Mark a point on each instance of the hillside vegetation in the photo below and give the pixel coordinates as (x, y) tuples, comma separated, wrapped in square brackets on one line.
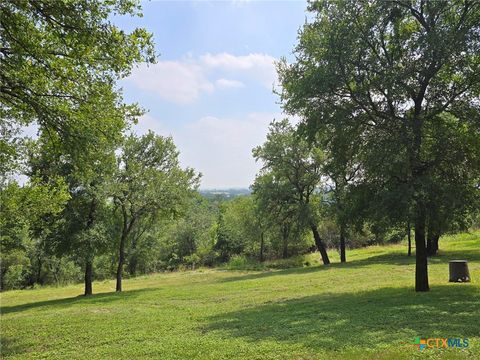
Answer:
[(366, 308)]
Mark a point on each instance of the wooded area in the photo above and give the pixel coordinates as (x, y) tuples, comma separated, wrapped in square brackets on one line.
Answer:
[(387, 144)]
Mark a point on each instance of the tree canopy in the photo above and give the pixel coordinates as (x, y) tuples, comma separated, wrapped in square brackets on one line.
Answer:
[(290, 179), (59, 65), (149, 183), (392, 73)]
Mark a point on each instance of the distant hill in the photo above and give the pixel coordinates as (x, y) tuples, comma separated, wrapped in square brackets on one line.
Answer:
[(224, 193)]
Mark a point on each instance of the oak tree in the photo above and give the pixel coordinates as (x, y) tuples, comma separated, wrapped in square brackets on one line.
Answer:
[(390, 71)]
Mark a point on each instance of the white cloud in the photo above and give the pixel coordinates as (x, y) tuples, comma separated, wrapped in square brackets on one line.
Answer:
[(229, 61), (182, 82), (228, 84), (259, 66), (219, 148), (177, 82)]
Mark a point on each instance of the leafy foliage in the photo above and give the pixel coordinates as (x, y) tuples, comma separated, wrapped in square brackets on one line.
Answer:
[(149, 183), (59, 64), (383, 80), (289, 186)]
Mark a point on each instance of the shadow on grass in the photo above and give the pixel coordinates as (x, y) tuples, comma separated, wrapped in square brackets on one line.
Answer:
[(368, 319), (397, 258), (393, 258), (446, 256), (254, 274), (10, 346), (102, 298)]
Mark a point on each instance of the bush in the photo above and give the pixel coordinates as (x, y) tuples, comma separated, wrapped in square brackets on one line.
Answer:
[(237, 262), (15, 269), (15, 277), (70, 273), (241, 262), (293, 262), (192, 261), (174, 262), (104, 267), (208, 256)]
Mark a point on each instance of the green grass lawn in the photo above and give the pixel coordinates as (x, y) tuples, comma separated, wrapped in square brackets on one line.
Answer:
[(365, 308)]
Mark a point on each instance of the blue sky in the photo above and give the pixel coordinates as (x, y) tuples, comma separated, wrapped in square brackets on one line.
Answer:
[(212, 86)]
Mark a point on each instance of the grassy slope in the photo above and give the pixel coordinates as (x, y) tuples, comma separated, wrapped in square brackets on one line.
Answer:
[(363, 309)]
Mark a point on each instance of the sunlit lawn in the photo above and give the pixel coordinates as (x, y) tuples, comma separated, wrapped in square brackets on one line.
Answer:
[(363, 309)]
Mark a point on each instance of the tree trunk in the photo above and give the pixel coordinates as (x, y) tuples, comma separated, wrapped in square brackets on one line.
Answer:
[(343, 256), (409, 237), (319, 244), (417, 172), (262, 245), (421, 270), (88, 277), (121, 260), (39, 279), (132, 263), (285, 241), (432, 241), (89, 263), (126, 228)]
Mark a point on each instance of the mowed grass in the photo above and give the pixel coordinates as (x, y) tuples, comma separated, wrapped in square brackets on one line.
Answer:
[(363, 309)]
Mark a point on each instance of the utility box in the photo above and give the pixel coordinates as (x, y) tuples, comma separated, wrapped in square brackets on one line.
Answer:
[(458, 271)]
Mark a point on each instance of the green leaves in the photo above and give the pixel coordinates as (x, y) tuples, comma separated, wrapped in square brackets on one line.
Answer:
[(26, 210), (376, 82), (290, 176), (60, 62), (149, 181)]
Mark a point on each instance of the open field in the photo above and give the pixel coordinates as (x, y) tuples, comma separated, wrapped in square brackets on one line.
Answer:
[(363, 309)]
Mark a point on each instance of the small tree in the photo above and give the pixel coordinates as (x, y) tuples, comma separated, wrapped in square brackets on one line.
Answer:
[(290, 178), (81, 231), (149, 182), (238, 229)]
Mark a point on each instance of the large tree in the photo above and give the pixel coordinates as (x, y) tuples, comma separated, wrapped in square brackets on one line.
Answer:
[(59, 61), (81, 234), (293, 170), (149, 183), (390, 71)]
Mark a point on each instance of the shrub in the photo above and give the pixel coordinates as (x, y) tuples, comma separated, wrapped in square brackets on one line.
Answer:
[(293, 262), (241, 262), (15, 277), (192, 261)]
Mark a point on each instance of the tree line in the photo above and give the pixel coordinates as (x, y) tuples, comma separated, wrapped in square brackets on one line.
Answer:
[(387, 143), (390, 90)]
